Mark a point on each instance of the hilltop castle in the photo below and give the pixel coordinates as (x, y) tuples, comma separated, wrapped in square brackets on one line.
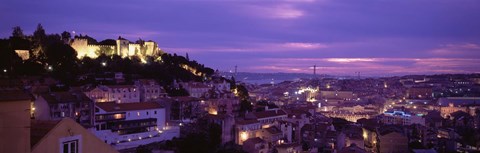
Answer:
[(121, 47)]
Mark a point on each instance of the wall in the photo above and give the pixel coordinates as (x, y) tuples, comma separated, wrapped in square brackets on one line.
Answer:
[(68, 128), (14, 123)]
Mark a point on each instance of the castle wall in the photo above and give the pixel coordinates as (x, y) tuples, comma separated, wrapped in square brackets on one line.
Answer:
[(123, 48)]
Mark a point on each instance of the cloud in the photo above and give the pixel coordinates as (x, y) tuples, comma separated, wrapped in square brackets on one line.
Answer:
[(276, 11), (369, 66), (258, 47), (456, 49), (305, 45)]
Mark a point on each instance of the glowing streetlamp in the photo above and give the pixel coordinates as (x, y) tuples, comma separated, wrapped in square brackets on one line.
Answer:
[(104, 64)]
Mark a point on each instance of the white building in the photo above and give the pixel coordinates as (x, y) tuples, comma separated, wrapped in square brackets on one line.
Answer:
[(401, 118), (127, 125), (196, 89), (117, 93)]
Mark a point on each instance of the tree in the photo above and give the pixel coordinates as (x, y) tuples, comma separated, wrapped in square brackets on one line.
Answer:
[(17, 32), (106, 50), (38, 45), (66, 36), (62, 58), (39, 33)]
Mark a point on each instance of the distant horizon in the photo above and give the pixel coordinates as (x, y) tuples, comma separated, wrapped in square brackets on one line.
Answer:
[(363, 76), (341, 37)]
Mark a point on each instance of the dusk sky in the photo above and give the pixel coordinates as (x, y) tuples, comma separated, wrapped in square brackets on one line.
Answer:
[(374, 37)]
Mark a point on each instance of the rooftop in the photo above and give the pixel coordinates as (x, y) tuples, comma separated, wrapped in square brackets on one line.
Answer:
[(114, 107)]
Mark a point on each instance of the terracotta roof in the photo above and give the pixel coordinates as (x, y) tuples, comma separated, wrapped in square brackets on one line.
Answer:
[(65, 97), (273, 130), (114, 107), (245, 122)]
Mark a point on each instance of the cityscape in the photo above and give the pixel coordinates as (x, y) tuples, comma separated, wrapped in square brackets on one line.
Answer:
[(254, 76)]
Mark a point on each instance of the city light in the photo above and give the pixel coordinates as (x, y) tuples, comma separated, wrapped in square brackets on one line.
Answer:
[(243, 136)]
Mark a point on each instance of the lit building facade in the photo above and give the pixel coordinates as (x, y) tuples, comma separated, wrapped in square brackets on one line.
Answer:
[(130, 124)]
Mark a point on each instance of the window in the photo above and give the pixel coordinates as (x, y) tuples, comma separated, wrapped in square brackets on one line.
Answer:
[(154, 112), (147, 112), (70, 146)]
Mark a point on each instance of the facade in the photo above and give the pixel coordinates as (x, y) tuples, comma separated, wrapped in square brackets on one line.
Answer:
[(345, 95), (65, 136), (23, 54), (123, 48), (289, 148), (246, 129), (59, 105), (267, 118), (126, 125), (150, 90), (223, 106), (14, 119), (419, 92), (196, 89), (255, 145), (117, 93), (401, 118), (393, 142)]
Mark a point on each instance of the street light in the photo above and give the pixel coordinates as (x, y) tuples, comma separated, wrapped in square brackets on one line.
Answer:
[(5, 70), (104, 64)]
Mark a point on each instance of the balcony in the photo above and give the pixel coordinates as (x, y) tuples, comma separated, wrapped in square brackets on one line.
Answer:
[(110, 117)]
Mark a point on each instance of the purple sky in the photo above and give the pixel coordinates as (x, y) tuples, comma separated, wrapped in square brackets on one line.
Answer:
[(374, 37)]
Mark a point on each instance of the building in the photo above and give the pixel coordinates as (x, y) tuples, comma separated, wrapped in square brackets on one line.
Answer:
[(255, 145), (185, 108), (15, 111), (150, 90), (65, 136), (267, 118), (58, 105), (449, 105), (226, 123), (419, 92), (385, 139), (223, 106), (353, 148), (246, 129), (289, 148), (196, 89), (126, 125), (117, 93), (401, 118), (122, 47), (272, 135), (392, 141), (344, 95), (23, 54)]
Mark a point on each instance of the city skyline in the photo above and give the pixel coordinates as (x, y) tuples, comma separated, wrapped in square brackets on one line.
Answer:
[(340, 37)]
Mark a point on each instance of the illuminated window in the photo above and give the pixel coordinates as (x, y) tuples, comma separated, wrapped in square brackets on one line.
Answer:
[(117, 116), (138, 113)]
